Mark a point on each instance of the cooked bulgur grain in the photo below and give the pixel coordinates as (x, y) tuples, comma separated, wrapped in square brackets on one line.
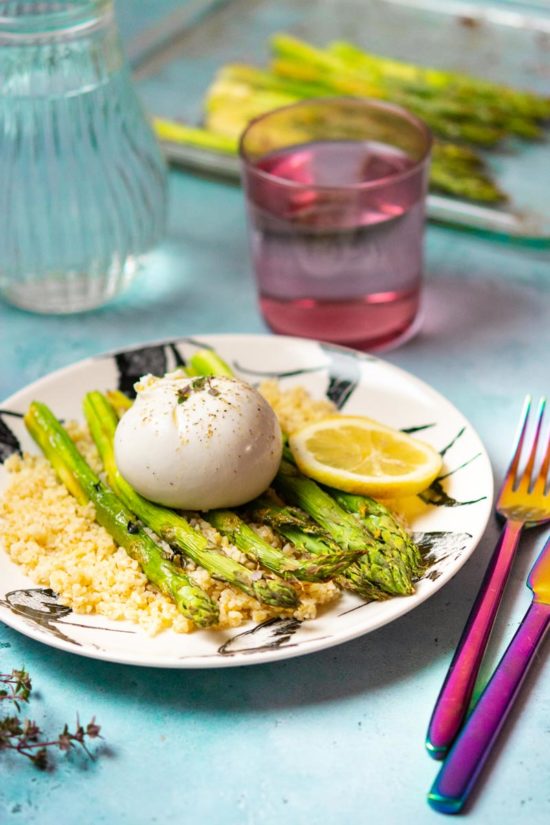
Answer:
[(294, 407)]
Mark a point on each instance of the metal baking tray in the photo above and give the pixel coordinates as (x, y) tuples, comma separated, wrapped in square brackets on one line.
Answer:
[(175, 60)]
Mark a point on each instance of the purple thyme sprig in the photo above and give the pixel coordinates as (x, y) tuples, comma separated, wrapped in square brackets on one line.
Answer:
[(25, 737)]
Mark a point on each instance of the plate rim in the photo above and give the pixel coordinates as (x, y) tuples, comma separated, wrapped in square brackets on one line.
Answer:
[(283, 652)]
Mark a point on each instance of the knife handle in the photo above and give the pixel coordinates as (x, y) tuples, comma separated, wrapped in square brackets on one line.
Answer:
[(453, 700), (460, 770)]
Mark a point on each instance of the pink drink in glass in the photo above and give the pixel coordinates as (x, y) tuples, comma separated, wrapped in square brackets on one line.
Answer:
[(336, 233)]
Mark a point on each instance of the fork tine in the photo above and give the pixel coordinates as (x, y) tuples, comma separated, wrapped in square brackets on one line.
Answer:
[(526, 479), (542, 478), (511, 472)]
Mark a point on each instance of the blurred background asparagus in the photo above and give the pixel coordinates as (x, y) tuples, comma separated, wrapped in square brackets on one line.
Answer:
[(465, 114)]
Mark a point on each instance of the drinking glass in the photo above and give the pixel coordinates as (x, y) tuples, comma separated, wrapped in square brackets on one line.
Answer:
[(82, 182), (335, 192)]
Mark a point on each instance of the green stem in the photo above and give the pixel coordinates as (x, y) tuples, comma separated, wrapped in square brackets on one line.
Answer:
[(208, 362)]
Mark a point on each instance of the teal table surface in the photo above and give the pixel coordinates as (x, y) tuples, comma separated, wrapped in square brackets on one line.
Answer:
[(338, 736)]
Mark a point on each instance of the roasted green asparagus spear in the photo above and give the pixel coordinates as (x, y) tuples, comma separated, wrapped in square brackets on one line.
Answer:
[(173, 528), (117, 519), (302, 492), (296, 59), (119, 401), (208, 362), (297, 527), (429, 82), (380, 522), (288, 566), (475, 111), (175, 132), (378, 564), (294, 524)]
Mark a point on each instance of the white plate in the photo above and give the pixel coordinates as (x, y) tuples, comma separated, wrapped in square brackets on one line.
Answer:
[(453, 523)]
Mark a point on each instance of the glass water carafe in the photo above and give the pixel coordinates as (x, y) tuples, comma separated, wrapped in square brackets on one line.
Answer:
[(82, 181)]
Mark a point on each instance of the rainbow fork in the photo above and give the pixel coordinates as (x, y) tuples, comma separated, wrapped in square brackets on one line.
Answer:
[(473, 744)]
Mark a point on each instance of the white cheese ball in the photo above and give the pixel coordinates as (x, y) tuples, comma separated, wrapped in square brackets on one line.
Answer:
[(198, 443)]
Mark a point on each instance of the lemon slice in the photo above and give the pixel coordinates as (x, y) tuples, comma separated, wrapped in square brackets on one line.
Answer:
[(359, 455)]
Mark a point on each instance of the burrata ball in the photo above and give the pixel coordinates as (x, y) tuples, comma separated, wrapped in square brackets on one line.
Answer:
[(198, 443)]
